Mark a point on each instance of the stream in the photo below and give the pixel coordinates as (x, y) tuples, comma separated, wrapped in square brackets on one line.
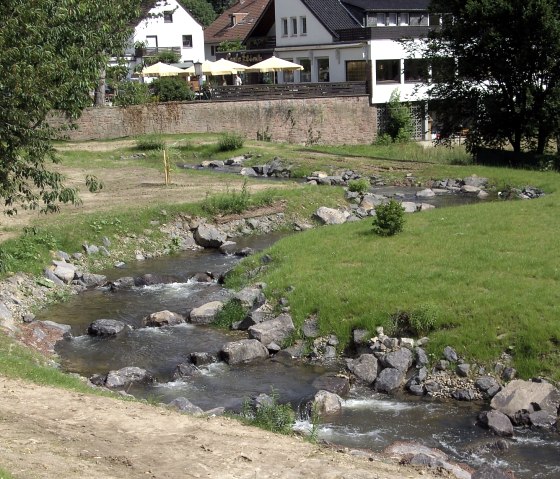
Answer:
[(368, 420)]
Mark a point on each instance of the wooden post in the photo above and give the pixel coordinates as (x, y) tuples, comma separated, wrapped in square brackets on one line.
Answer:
[(166, 167)]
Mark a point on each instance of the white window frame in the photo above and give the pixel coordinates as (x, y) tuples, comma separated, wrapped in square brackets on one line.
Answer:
[(284, 23), (303, 25), (391, 19), (294, 25), (404, 19)]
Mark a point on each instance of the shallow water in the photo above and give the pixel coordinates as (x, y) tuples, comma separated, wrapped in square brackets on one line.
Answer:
[(368, 420)]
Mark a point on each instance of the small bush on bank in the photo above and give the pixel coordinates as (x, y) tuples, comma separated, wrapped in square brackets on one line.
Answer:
[(149, 143), (232, 312), (230, 202), (416, 323), (230, 142), (389, 219), (270, 415), (172, 89), (359, 186)]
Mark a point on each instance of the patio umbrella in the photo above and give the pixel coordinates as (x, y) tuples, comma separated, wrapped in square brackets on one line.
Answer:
[(220, 67), (206, 68), (274, 64), (160, 69)]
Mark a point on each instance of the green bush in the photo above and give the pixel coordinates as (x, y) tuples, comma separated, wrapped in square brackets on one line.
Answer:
[(149, 143), (230, 142), (416, 323), (359, 186), (270, 416), (230, 202), (383, 140), (131, 93), (172, 89), (232, 312), (389, 219)]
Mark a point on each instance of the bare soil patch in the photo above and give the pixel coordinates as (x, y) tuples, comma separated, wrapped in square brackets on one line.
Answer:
[(51, 433)]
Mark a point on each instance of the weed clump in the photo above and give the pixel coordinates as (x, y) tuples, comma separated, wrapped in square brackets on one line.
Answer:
[(150, 143), (389, 219), (230, 142), (270, 415), (361, 185), (230, 202), (416, 323), (232, 312)]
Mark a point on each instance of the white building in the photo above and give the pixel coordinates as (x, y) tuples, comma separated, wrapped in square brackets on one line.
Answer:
[(168, 27)]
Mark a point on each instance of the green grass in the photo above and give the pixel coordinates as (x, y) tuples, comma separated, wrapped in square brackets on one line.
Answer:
[(490, 270), (5, 474)]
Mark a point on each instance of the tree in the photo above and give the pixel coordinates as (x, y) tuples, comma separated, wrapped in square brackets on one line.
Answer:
[(399, 121), (172, 89), (201, 10), (505, 83), (51, 53)]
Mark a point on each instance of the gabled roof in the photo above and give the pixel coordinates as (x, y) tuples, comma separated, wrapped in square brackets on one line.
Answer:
[(390, 5), (332, 14), (247, 12)]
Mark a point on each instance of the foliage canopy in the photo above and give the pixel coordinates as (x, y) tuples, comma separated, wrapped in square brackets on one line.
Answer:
[(505, 82), (51, 53)]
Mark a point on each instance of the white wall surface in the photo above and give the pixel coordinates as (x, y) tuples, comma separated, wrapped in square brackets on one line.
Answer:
[(316, 32), (171, 34)]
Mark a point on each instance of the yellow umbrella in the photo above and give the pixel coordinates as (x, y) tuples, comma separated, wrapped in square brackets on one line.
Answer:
[(160, 69), (206, 68), (220, 67), (274, 64)]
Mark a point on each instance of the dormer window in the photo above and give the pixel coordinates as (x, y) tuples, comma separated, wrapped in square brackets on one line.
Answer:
[(236, 18), (168, 17)]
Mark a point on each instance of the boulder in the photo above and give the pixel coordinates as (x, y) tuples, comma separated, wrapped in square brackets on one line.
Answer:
[(542, 419), (450, 354), (464, 395), (409, 206), (105, 327), (209, 236), (463, 370), (202, 359), (228, 247), (125, 376), (276, 330), (491, 472), (421, 357), (248, 171), (250, 297), (184, 405), (6, 318), (243, 351), (470, 189), (474, 180), (530, 396), (206, 313), (65, 271), (185, 370), (364, 368), (202, 277), (488, 386), (330, 216), (120, 283), (326, 403), (427, 193), (163, 318), (497, 422), (333, 383), (400, 359), (150, 279), (311, 327), (91, 279), (263, 313), (49, 274), (389, 380)]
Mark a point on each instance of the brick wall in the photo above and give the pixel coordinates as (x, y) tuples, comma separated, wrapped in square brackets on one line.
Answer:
[(341, 120)]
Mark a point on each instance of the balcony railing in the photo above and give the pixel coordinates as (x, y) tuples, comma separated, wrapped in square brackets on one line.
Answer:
[(383, 33), (153, 51)]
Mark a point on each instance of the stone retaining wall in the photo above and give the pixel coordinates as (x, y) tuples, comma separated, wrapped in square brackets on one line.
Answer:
[(341, 120)]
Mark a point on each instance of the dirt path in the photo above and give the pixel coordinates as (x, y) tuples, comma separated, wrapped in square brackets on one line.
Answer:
[(50, 433)]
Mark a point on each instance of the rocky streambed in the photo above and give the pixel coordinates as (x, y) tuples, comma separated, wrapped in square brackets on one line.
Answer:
[(143, 329)]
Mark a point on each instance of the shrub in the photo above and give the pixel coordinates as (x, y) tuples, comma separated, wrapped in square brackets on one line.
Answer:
[(131, 93), (359, 186), (232, 312), (230, 202), (418, 322), (389, 219), (152, 142), (270, 415), (230, 142), (383, 140), (172, 89)]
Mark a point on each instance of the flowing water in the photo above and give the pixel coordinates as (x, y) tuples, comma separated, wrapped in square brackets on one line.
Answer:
[(368, 420)]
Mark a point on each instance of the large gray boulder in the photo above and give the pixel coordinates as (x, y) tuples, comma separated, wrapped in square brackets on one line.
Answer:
[(64, 271), (209, 236), (126, 376), (333, 383), (426, 193), (6, 318), (91, 279), (488, 386), (206, 313), (497, 422), (243, 351), (263, 313), (163, 318), (184, 405), (364, 368), (389, 380), (326, 403), (527, 396), (330, 216), (105, 327), (250, 297), (401, 359), (276, 330)]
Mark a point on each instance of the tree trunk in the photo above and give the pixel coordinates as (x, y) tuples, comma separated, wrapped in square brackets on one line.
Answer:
[(99, 99)]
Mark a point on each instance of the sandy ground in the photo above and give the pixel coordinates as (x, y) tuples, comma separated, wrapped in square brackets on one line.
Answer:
[(51, 433)]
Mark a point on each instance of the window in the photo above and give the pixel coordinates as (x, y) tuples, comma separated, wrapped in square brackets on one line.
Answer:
[(213, 50), (403, 19), (415, 70), (371, 20), (388, 71), (151, 41), (391, 19), (435, 20), (380, 19), (294, 26), (289, 74), (187, 41), (284, 27), (356, 70), (168, 17), (305, 74), (419, 19), (323, 69), (303, 24)]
